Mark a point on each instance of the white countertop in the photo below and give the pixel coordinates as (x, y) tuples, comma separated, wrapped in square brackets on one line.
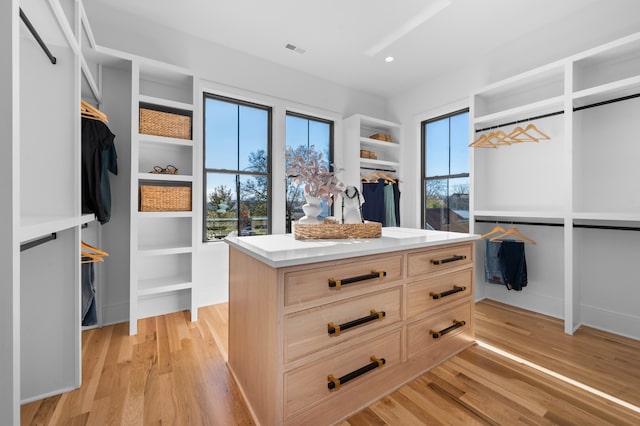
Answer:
[(284, 250)]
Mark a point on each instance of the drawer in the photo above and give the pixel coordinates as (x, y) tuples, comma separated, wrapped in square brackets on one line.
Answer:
[(309, 384), (368, 272), (439, 331), (428, 261), (438, 291), (308, 331)]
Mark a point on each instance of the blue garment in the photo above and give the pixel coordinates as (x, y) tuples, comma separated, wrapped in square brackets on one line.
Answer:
[(373, 207), (513, 264), (492, 269), (396, 199), (88, 313)]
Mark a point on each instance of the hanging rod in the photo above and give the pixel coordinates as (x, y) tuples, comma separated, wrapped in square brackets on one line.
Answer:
[(511, 222), (537, 117), (551, 114), (37, 37), (610, 227), (597, 104), (378, 170), (31, 244)]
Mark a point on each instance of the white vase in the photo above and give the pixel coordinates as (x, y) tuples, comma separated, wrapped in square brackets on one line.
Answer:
[(311, 210)]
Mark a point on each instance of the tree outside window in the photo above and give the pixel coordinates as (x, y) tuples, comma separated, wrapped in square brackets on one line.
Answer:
[(237, 168), (446, 172)]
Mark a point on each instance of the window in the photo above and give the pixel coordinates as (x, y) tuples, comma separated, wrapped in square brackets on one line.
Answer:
[(237, 168), (445, 189), (310, 132)]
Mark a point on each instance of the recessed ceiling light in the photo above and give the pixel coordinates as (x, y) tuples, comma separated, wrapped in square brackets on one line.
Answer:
[(388, 59)]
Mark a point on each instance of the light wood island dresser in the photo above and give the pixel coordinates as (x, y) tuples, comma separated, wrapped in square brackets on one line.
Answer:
[(319, 329)]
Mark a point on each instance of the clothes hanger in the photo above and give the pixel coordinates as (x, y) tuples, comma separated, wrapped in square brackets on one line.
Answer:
[(521, 135), (482, 142), (387, 178), (95, 250), (532, 127), (90, 257), (496, 228), (501, 138), (89, 111), (516, 234)]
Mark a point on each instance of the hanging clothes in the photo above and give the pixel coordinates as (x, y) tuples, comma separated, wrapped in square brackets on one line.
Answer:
[(88, 313), (492, 268), (381, 202), (389, 206), (373, 207), (513, 264), (98, 159), (396, 199)]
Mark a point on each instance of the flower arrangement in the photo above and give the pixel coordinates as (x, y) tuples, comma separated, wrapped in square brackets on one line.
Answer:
[(307, 167)]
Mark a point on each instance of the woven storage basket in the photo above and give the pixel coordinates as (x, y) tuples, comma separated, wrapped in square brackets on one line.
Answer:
[(334, 230), (157, 198), (382, 137), (160, 123)]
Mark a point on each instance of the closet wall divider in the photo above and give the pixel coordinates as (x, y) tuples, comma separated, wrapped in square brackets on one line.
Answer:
[(40, 162), (584, 179)]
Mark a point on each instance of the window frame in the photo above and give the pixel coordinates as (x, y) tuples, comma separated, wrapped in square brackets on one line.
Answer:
[(205, 170), (424, 179), (309, 117)]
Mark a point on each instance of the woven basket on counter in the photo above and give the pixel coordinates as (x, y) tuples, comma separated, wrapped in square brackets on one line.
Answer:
[(334, 230), (161, 123), (162, 198)]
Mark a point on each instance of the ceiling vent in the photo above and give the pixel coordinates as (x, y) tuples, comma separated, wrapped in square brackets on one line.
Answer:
[(294, 48)]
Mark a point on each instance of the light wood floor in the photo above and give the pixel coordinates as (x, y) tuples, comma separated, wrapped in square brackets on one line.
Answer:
[(173, 373)]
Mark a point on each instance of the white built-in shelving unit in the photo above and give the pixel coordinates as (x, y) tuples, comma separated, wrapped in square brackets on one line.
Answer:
[(577, 194), (42, 228), (162, 243), (357, 131)]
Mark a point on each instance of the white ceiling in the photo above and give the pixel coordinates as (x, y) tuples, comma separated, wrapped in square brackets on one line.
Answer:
[(346, 41)]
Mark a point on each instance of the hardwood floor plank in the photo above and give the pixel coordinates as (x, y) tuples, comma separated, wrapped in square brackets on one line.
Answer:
[(601, 360), (174, 373)]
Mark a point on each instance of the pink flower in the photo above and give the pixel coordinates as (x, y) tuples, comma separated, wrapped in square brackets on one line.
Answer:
[(307, 167)]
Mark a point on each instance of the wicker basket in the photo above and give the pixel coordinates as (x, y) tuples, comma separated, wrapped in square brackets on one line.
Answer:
[(158, 198), (334, 230), (160, 123), (382, 137)]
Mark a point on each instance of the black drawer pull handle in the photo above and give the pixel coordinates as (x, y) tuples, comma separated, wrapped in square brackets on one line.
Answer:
[(335, 383), (456, 289), (333, 328), (453, 258), (438, 334), (374, 274)]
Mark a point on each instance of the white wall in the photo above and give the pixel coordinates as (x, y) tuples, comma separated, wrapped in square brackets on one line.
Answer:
[(223, 71), (9, 214), (451, 91)]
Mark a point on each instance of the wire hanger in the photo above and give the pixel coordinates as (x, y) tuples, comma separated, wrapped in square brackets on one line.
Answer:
[(516, 234), (89, 111)]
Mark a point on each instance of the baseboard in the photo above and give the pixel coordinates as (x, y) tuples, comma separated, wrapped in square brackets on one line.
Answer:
[(47, 395), (166, 303), (524, 299), (609, 321)]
